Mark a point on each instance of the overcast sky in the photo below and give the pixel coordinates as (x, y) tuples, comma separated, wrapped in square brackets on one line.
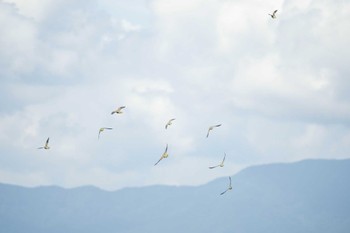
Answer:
[(279, 87)]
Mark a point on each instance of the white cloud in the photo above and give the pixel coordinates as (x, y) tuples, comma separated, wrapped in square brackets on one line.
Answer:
[(278, 87), (129, 27), (35, 9), (18, 43)]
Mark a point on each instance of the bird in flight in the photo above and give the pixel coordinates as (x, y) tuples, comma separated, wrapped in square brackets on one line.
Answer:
[(211, 128), (46, 147), (101, 130), (164, 155), (118, 110), (273, 14), (221, 164), (229, 187), (169, 123)]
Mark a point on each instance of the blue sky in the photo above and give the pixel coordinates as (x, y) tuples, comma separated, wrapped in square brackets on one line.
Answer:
[(278, 87)]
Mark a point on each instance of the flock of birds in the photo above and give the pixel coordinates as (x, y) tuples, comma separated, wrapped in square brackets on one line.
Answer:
[(165, 153)]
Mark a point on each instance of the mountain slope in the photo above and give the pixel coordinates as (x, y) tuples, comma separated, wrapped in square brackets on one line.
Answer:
[(308, 196)]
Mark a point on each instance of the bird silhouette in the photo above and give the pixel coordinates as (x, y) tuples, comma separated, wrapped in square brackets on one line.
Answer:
[(211, 128), (164, 155), (46, 147), (101, 130), (229, 187), (169, 123), (118, 110), (273, 15), (221, 164)]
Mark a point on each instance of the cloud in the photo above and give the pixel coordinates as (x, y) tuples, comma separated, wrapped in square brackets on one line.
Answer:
[(278, 87), (18, 43)]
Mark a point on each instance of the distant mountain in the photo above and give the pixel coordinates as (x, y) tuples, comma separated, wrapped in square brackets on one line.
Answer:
[(311, 196)]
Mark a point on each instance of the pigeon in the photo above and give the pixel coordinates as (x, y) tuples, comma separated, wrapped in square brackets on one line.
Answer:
[(221, 164), (273, 14), (101, 130), (46, 147), (118, 110), (211, 128), (164, 155), (169, 123), (229, 187)]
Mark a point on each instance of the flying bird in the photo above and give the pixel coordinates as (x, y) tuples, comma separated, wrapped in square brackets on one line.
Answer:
[(118, 110), (273, 14), (229, 187), (169, 123), (46, 147), (211, 128), (221, 164), (101, 130), (164, 155)]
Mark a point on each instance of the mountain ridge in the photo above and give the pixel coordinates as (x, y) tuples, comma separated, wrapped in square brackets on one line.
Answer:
[(305, 196)]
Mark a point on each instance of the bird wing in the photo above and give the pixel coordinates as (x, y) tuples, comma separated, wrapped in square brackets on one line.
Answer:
[(120, 108), (99, 132), (223, 160), (166, 149), (113, 112), (230, 180), (47, 142), (41, 147), (275, 12), (169, 123), (208, 132), (158, 161), (217, 125), (223, 192), (213, 167), (108, 128)]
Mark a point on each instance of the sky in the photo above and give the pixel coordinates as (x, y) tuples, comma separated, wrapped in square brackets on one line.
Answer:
[(279, 87)]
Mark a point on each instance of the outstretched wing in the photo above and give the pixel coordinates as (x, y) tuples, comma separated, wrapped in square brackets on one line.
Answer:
[(223, 160), (166, 149), (275, 12), (122, 107), (47, 142), (208, 132), (224, 192), (213, 167), (158, 161)]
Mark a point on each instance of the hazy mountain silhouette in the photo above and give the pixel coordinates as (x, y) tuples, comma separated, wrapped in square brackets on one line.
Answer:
[(311, 196)]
